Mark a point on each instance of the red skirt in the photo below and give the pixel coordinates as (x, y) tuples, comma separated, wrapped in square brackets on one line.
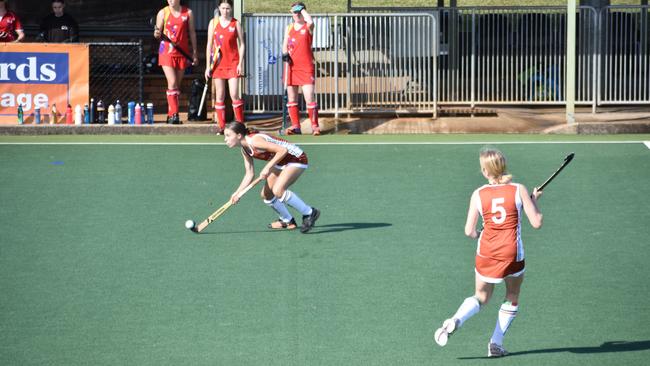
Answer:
[(177, 62), (301, 77), (494, 271), (226, 74)]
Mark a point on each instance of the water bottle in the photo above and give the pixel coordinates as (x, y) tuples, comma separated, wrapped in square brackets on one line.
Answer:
[(92, 110), (111, 115), (138, 114), (77, 115), (68, 115), (20, 114), (37, 116), (53, 115), (150, 113), (131, 113), (118, 112), (86, 114), (101, 112)]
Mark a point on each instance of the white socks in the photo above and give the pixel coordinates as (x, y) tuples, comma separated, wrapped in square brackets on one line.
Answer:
[(294, 201), (467, 309), (507, 314), (280, 208)]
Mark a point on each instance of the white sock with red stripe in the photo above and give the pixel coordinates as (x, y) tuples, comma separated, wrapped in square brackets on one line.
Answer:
[(467, 309), (280, 208), (507, 314), (294, 201)]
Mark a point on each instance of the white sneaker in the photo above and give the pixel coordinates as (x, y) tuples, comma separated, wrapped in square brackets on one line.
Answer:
[(496, 350), (442, 334)]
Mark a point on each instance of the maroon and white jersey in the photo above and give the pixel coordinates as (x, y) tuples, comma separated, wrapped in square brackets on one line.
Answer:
[(294, 153)]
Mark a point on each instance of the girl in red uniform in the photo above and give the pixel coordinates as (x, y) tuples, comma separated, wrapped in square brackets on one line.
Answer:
[(500, 252), (225, 61), (285, 163), (177, 23), (11, 30), (296, 50)]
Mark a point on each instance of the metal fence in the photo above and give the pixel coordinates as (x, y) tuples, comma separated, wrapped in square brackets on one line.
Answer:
[(625, 60), (513, 55), (517, 55), (364, 62), (410, 61), (116, 71)]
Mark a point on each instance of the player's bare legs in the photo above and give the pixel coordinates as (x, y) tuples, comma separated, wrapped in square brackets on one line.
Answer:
[(237, 103), (312, 107)]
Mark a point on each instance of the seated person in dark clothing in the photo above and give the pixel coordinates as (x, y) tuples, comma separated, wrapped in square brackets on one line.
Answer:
[(59, 27)]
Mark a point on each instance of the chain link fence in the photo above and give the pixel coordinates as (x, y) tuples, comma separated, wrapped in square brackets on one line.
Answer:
[(116, 72)]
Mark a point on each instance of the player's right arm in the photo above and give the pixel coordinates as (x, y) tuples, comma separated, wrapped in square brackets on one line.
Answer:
[(535, 217), (472, 216), (160, 18), (285, 43), (208, 49), (249, 175)]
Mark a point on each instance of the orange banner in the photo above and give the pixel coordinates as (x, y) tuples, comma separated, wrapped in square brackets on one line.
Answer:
[(39, 76)]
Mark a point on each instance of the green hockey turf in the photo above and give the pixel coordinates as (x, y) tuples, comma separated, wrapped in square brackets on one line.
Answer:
[(96, 267)]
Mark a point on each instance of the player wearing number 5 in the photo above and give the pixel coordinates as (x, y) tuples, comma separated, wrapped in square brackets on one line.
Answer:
[(500, 252), (224, 62), (297, 52), (175, 25)]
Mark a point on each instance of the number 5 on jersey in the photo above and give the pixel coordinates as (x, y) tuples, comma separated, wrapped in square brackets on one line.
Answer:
[(497, 208)]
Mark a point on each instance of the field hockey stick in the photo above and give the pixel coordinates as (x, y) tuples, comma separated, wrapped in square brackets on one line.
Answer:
[(566, 162), (285, 97), (207, 81), (215, 215), (166, 39)]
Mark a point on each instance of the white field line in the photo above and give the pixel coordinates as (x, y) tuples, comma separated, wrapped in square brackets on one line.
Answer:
[(647, 143)]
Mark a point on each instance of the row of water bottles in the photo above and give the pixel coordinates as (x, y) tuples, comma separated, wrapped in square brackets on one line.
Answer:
[(136, 114)]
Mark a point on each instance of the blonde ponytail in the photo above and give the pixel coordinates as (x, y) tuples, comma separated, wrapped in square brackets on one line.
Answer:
[(494, 163)]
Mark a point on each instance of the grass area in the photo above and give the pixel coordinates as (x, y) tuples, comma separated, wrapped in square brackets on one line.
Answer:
[(340, 6), (96, 267)]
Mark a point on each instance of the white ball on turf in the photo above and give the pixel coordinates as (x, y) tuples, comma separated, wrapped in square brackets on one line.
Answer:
[(189, 224)]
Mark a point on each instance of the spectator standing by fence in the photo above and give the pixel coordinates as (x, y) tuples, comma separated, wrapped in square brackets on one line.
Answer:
[(177, 23), (59, 26), (11, 30), (224, 61), (296, 50)]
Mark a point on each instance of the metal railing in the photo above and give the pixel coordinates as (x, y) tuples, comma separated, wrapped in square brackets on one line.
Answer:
[(364, 62), (411, 61), (625, 61)]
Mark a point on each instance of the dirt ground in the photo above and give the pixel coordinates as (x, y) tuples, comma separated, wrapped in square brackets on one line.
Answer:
[(539, 120)]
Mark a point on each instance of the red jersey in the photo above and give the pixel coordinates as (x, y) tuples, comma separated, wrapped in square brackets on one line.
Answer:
[(9, 24), (500, 206), (177, 29), (294, 153), (299, 47), (225, 38)]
